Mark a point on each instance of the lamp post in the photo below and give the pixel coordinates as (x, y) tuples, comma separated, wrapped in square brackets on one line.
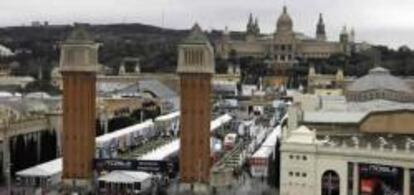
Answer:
[(6, 153)]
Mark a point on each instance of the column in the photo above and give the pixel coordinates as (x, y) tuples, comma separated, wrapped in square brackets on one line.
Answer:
[(58, 131), (355, 179), (407, 181), (106, 121), (38, 138), (58, 143), (6, 157)]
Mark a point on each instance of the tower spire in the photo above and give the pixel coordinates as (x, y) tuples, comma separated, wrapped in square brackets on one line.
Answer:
[(256, 26), (320, 29), (344, 30), (226, 30), (250, 18), (352, 35), (250, 25), (320, 18)]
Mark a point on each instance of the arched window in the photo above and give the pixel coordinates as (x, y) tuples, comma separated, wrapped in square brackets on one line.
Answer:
[(330, 183)]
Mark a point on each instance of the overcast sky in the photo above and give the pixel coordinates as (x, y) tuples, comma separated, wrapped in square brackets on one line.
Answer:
[(388, 22)]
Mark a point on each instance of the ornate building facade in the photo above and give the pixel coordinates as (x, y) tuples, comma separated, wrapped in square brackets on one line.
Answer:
[(326, 84), (284, 46)]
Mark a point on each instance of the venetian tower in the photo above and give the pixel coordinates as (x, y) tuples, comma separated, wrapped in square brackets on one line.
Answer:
[(195, 67), (78, 63)]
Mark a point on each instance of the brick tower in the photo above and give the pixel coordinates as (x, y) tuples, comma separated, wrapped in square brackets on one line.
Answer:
[(195, 67), (78, 63)]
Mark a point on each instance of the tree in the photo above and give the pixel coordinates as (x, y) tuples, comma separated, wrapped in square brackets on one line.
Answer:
[(40, 85)]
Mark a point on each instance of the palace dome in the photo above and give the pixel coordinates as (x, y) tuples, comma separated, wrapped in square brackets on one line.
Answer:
[(380, 78), (284, 23)]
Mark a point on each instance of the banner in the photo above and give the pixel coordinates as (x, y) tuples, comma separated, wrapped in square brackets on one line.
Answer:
[(380, 180), (133, 165)]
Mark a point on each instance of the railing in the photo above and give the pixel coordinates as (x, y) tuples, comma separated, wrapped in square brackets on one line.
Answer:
[(230, 155), (393, 152)]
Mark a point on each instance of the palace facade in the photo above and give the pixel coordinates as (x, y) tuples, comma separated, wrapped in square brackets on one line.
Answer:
[(285, 45)]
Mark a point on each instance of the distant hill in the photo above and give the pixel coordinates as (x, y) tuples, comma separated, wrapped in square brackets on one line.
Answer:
[(38, 46), (38, 50)]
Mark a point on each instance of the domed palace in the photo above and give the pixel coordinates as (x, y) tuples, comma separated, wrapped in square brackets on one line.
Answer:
[(285, 45), (379, 84)]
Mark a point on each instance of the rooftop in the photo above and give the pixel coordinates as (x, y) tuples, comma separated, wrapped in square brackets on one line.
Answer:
[(46, 169), (196, 36), (79, 35), (379, 78), (352, 112), (125, 176)]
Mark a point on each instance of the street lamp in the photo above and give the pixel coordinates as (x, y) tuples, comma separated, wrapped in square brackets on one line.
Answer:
[(6, 153)]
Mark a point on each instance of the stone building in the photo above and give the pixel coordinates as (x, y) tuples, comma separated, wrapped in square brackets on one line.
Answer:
[(379, 84), (285, 45), (363, 148), (326, 84), (363, 164)]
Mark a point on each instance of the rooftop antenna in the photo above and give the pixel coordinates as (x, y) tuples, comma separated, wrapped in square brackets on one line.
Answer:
[(163, 18), (163, 39)]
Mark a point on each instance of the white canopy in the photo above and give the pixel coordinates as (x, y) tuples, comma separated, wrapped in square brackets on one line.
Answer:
[(50, 168), (55, 166), (163, 152), (272, 137), (173, 147), (168, 116), (125, 131), (125, 177), (268, 146), (223, 119)]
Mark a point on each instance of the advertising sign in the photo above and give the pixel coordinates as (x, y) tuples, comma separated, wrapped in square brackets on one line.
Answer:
[(133, 165), (380, 180)]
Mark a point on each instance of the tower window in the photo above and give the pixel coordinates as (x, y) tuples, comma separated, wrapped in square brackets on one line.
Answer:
[(193, 56), (70, 56)]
